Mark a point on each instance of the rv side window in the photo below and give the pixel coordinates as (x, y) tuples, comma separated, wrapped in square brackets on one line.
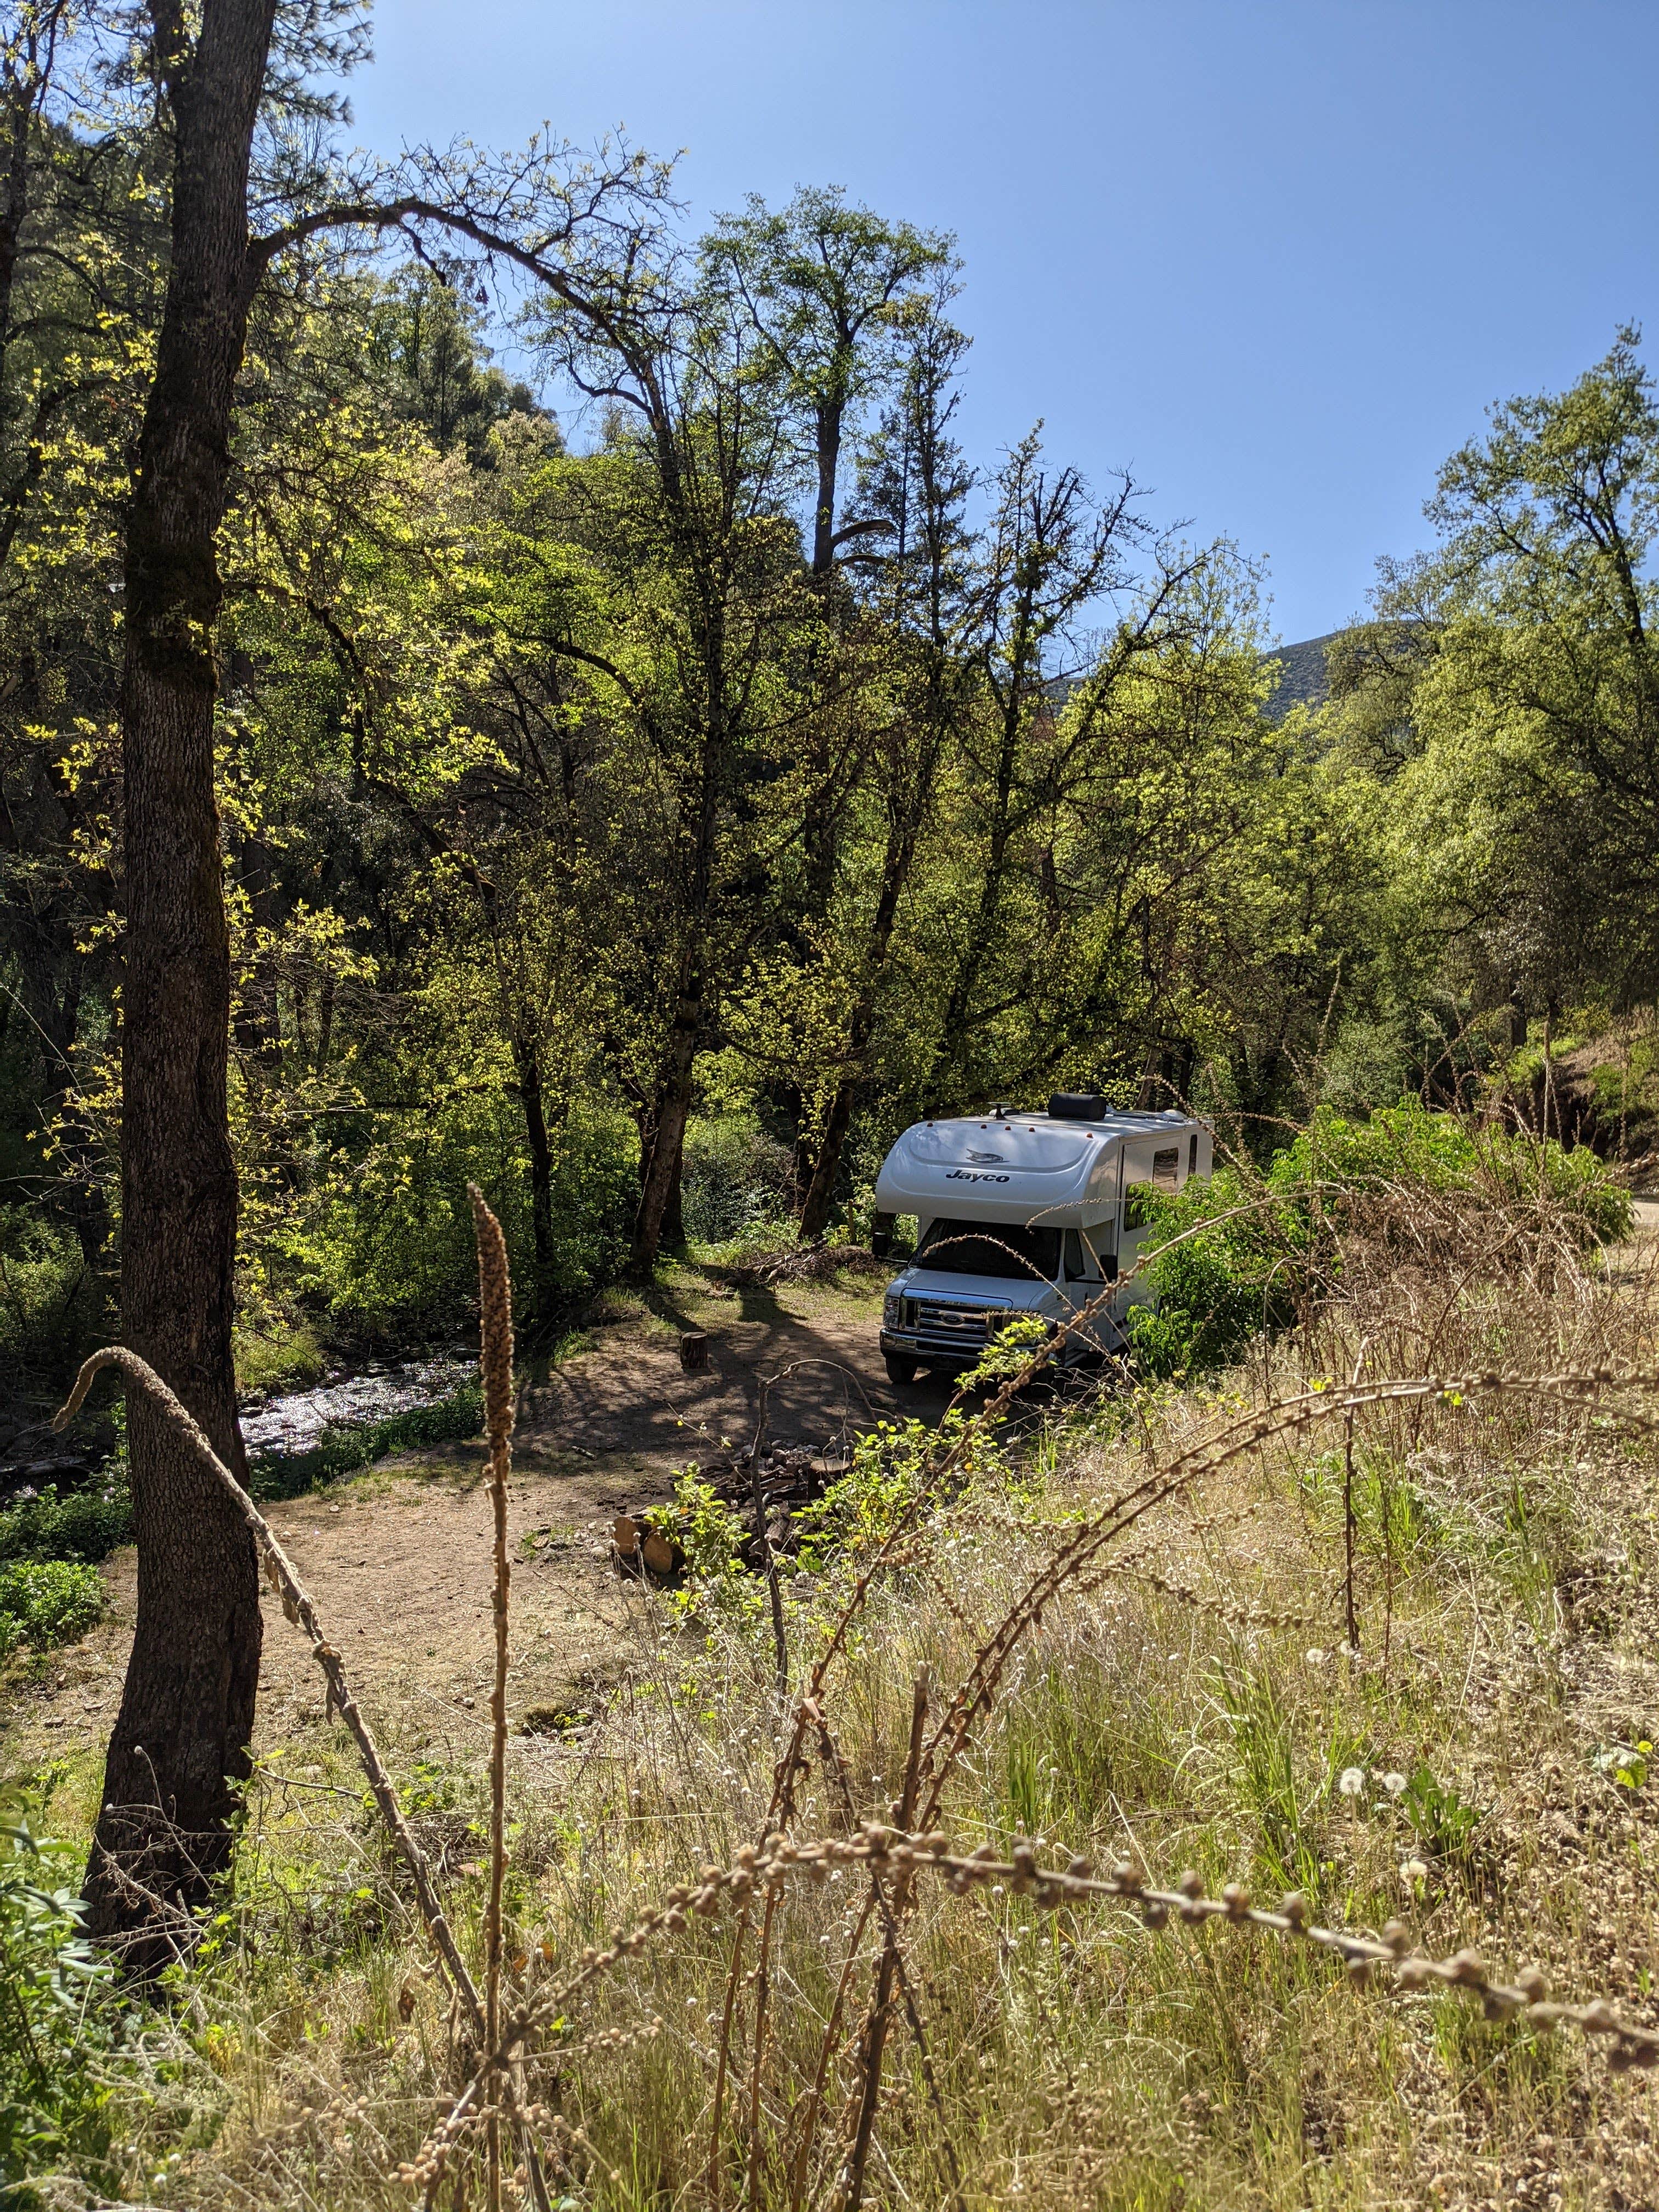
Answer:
[(1166, 1167), (1192, 1155), (1138, 1205)]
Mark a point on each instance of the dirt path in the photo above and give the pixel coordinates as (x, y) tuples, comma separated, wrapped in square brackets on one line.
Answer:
[(398, 1559), (626, 1402)]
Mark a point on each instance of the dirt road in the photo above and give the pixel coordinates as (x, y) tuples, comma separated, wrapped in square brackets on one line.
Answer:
[(398, 1559)]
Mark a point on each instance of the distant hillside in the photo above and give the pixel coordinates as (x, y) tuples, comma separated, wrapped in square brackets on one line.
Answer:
[(1302, 680)]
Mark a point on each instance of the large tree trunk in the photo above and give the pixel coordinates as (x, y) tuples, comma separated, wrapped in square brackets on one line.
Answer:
[(820, 1191), (660, 1190), (179, 1745), (897, 863)]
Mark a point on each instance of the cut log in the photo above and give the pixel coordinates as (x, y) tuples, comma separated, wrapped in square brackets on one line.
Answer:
[(625, 1535), (694, 1350), (660, 1556)]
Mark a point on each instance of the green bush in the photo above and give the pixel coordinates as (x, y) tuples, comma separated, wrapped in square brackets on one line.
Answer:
[(890, 1478), (46, 1602), (57, 2011), (48, 1295), (392, 1243), (75, 1525), (1252, 1249), (733, 1177), (1335, 1162)]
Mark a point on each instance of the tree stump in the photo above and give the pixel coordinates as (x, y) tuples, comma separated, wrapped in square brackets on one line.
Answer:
[(694, 1351)]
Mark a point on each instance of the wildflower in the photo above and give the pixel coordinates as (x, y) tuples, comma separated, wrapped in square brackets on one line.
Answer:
[(1413, 1870), (1316, 1657), (1395, 1784), (1351, 1781)]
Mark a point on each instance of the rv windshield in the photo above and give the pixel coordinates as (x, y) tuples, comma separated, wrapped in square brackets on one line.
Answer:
[(984, 1248)]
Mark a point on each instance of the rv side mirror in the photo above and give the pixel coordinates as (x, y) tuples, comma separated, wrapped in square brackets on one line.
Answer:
[(881, 1235)]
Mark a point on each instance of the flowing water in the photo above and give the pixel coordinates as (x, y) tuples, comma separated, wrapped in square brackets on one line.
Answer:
[(294, 1422)]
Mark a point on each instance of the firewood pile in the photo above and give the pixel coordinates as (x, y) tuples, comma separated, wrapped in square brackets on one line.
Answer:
[(791, 1476)]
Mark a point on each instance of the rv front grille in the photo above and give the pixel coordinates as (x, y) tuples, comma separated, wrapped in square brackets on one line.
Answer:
[(953, 1328)]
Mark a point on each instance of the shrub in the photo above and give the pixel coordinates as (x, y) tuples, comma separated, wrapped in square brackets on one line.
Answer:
[(392, 1243), (733, 1177), (56, 2011), (1407, 1150), (77, 1524), (890, 1479), (47, 1297), (1411, 1184), (46, 1602)]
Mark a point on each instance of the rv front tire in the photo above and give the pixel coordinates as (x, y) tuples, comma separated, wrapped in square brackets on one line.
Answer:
[(900, 1370)]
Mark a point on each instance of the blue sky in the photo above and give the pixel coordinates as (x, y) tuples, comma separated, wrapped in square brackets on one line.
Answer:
[(1274, 256)]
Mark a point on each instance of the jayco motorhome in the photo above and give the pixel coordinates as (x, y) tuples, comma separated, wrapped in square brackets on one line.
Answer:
[(1024, 1214)]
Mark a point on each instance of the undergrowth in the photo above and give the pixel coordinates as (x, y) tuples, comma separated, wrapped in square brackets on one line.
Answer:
[(1391, 1649)]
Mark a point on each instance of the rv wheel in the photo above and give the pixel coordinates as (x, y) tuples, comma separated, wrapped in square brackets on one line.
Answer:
[(900, 1370)]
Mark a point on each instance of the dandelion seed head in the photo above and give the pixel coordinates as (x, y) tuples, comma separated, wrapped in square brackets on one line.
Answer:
[(1351, 1781), (1395, 1784), (1316, 1657)]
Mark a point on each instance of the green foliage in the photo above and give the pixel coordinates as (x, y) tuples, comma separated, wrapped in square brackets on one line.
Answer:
[(712, 1538), (1443, 1822), (711, 1535), (1239, 1254), (734, 1179), (46, 1602), (1212, 1296), (890, 1479), (393, 1244), (1008, 1352), (1336, 1164), (55, 2014), (1624, 1764), (46, 1296), (73, 1524), (1535, 777)]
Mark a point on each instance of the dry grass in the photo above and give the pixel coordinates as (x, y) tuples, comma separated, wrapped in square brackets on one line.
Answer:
[(1134, 1650)]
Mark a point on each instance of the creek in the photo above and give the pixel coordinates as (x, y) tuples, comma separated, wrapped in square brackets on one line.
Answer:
[(294, 1421)]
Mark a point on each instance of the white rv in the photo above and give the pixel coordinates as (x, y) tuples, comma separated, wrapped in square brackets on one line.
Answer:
[(1023, 1215)]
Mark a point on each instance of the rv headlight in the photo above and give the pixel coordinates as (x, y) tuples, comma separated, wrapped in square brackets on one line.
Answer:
[(892, 1310)]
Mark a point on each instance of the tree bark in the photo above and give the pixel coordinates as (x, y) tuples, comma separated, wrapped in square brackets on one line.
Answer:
[(903, 835), (179, 1745), (828, 442), (820, 1191), (660, 1193)]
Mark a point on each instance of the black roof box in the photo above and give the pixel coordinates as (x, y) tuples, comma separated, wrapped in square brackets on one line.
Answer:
[(1077, 1106)]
